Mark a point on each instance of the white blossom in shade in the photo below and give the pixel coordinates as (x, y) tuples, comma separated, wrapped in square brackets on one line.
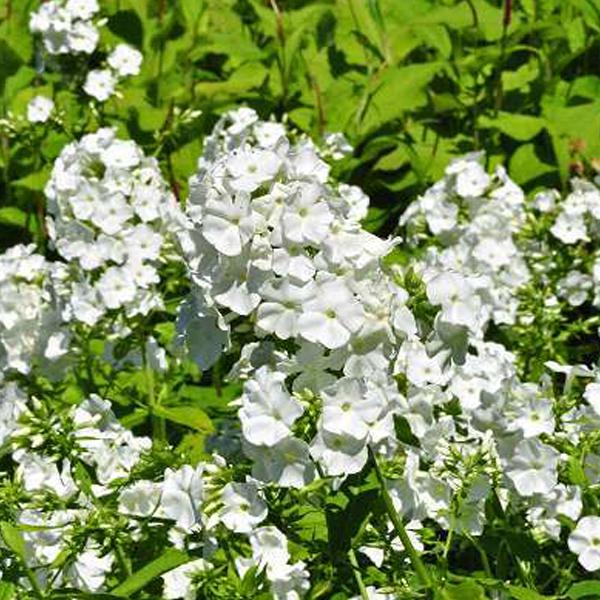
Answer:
[(38, 472), (332, 316), (339, 454), (125, 60), (592, 396), (584, 541), (228, 224), (100, 84), (575, 287), (178, 582), (269, 546), (287, 463), (267, 410), (533, 416), (242, 507), (182, 495), (39, 109), (13, 403), (250, 168), (532, 468), (140, 499), (283, 304), (420, 368), (90, 569)]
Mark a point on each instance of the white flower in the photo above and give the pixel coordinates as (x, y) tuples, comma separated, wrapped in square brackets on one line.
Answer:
[(592, 395), (267, 411), (82, 9), (125, 60), (242, 508), (116, 287), (178, 582), (39, 109), (250, 168), (89, 570), (282, 307), (228, 224), (100, 84), (339, 454), (140, 499), (532, 469), (585, 542), (287, 463), (182, 495), (349, 409), (332, 316)]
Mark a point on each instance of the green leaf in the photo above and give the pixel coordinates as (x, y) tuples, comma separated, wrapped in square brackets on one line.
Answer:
[(34, 181), (190, 416), (521, 593), (208, 397), (466, 589), (170, 559), (525, 165), (13, 539), (11, 215), (517, 127), (584, 589), (7, 590)]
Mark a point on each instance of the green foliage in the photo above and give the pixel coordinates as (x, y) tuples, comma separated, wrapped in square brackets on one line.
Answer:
[(410, 83)]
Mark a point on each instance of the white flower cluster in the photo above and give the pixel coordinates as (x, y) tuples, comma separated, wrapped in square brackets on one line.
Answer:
[(110, 216), (474, 217), (67, 26), (70, 27), (191, 502), (269, 237), (275, 243), (31, 304)]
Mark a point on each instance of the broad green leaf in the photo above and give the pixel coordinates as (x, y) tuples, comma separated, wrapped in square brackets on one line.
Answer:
[(525, 165), (190, 416), (518, 127), (208, 397), (521, 593), (34, 181), (11, 215), (170, 559), (464, 590), (7, 590), (399, 90), (584, 589), (13, 539)]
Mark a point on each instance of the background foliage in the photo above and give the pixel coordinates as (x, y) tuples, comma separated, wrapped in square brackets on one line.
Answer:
[(411, 84)]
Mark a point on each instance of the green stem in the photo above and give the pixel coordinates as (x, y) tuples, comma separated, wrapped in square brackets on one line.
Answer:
[(413, 555), (37, 590), (357, 576), (158, 423)]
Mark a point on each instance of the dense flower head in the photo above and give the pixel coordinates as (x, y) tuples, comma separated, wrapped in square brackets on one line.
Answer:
[(32, 300), (111, 214), (67, 26), (473, 217)]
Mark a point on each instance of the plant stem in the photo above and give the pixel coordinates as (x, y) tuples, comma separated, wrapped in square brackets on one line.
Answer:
[(413, 555), (357, 576)]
